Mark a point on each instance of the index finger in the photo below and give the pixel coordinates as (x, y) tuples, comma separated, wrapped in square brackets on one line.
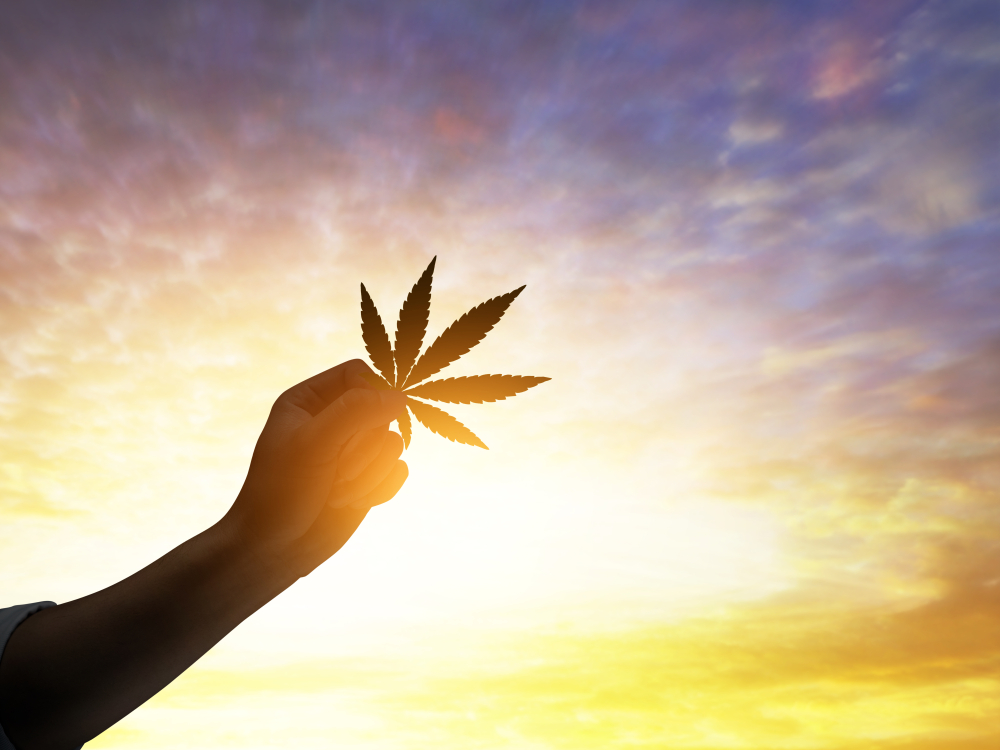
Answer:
[(322, 437), (316, 393)]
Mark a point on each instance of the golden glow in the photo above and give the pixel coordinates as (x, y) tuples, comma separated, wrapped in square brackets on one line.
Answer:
[(591, 581), (756, 505)]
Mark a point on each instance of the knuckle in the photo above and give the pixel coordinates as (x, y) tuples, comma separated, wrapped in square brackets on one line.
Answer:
[(359, 399), (353, 366), (283, 398)]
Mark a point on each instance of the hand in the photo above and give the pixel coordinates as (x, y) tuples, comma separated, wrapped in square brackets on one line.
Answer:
[(323, 459)]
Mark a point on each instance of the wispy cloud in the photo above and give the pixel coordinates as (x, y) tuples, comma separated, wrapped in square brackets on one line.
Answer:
[(759, 242)]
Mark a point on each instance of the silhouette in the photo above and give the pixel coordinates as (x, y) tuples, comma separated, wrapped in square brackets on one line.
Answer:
[(399, 373), (324, 458)]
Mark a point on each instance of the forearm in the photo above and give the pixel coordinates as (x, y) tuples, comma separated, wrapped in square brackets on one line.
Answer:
[(324, 457), (71, 671)]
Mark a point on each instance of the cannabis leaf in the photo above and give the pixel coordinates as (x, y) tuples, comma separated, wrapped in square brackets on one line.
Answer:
[(475, 389), (403, 371), (442, 423), (412, 324), (376, 339), (460, 337)]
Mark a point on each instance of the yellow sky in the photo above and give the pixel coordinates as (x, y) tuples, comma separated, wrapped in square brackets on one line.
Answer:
[(622, 567)]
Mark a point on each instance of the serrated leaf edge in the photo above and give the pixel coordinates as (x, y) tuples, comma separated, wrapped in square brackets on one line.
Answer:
[(375, 337), (410, 402), (415, 390), (405, 426), (430, 349), (411, 305)]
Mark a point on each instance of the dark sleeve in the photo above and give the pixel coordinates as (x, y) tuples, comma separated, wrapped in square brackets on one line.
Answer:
[(10, 618)]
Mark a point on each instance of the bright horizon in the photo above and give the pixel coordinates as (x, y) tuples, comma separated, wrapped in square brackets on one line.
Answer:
[(755, 506)]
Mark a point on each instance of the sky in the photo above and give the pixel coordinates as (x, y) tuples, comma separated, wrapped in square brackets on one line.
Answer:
[(756, 506)]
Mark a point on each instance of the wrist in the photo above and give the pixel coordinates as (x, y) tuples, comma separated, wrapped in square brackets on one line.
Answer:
[(259, 571)]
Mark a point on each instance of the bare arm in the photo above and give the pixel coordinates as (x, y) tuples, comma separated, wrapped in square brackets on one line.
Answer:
[(324, 458)]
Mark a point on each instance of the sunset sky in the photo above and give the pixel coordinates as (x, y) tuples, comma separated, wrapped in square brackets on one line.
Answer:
[(758, 504)]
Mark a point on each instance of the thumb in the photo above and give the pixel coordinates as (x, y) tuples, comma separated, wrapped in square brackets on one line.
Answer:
[(358, 409)]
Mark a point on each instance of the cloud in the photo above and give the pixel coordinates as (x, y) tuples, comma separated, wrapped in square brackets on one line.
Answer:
[(759, 241), (748, 132)]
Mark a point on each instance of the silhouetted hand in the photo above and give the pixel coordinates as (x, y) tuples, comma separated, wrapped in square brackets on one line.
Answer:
[(323, 459)]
